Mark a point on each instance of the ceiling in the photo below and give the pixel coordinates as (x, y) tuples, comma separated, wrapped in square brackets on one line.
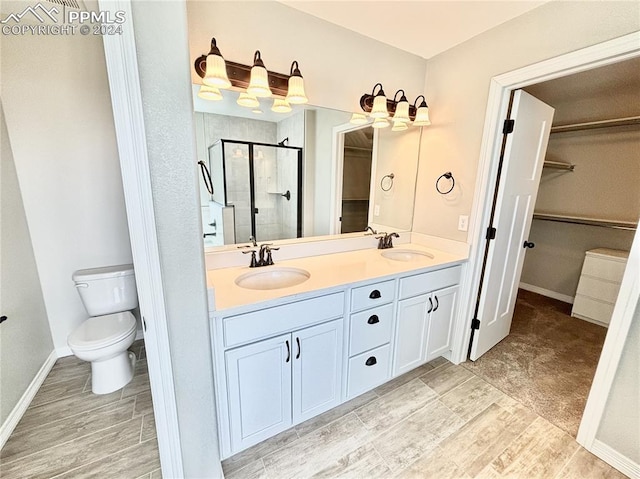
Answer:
[(424, 28)]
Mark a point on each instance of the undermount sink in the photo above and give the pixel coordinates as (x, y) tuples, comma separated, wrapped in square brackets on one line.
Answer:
[(270, 277), (405, 255)]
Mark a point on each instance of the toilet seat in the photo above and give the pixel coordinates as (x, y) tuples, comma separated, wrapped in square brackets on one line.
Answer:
[(101, 331)]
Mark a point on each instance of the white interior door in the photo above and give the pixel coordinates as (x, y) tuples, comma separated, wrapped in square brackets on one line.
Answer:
[(523, 159)]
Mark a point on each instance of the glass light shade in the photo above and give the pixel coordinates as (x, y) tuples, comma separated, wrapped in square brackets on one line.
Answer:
[(295, 93), (402, 112), (380, 123), (379, 109), (257, 111), (209, 93), (399, 125), (259, 82), (247, 100), (280, 106), (358, 119), (216, 72), (422, 117), (237, 153)]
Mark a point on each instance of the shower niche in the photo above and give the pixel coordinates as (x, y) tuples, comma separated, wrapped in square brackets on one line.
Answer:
[(257, 191)]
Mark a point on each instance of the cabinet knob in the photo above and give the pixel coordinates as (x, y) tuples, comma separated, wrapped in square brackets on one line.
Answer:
[(373, 319), (3, 319), (371, 361), (375, 294)]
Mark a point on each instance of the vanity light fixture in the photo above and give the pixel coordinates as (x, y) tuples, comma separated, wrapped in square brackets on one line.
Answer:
[(259, 81), (216, 69), (253, 81), (207, 92), (247, 100), (280, 106), (402, 113), (295, 93), (422, 113)]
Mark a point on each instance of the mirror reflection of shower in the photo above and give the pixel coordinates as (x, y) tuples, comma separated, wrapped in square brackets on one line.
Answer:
[(257, 191)]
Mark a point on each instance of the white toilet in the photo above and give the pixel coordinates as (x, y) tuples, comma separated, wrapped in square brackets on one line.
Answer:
[(109, 295)]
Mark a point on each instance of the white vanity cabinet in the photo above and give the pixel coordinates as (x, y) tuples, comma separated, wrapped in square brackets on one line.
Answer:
[(425, 318)]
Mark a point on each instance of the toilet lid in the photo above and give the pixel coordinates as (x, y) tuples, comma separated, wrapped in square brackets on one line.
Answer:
[(100, 331)]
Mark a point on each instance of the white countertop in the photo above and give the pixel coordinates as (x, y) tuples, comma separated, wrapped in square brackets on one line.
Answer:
[(327, 271)]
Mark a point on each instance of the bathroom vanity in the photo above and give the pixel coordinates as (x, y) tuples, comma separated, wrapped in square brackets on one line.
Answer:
[(359, 319)]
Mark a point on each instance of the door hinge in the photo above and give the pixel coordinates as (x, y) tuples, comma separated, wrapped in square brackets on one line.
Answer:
[(508, 127), (475, 324), (491, 233)]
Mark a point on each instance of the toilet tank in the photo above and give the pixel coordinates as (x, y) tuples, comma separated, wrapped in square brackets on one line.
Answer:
[(111, 289)]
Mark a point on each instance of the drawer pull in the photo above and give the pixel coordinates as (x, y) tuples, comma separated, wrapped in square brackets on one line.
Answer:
[(288, 351), (373, 319), (437, 304), (298, 355), (371, 361), (375, 294), (430, 305)]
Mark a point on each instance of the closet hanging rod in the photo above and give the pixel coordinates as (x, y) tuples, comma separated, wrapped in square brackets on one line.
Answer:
[(358, 148), (558, 165), (619, 225), (592, 125)]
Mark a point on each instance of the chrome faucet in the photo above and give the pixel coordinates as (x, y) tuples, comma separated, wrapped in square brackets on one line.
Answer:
[(386, 241)]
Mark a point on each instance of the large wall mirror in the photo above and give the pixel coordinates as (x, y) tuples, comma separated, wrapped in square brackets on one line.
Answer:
[(306, 173)]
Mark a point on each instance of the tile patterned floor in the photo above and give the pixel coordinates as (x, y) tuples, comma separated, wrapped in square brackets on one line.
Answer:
[(438, 421), (69, 432)]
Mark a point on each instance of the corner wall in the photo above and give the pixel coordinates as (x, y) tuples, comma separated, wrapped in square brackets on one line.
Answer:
[(59, 119), (457, 88)]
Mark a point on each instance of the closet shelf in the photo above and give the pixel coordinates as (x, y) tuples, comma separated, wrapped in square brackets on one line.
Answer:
[(592, 125), (579, 220), (558, 165)]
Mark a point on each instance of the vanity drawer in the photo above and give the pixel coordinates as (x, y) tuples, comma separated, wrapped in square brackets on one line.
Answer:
[(372, 295), (267, 322), (368, 370), (427, 282), (370, 328)]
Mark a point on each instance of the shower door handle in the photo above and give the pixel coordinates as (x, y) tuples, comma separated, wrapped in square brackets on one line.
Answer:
[(256, 211)]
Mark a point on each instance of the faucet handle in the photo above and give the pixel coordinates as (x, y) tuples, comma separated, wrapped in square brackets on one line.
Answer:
[(254, 261)]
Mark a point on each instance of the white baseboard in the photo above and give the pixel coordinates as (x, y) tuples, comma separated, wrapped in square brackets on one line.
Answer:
[(547, 292), (616, 459), (18, 411)]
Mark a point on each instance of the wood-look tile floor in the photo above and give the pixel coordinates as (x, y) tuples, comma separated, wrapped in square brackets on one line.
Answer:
[(69, 432), (438, 421)]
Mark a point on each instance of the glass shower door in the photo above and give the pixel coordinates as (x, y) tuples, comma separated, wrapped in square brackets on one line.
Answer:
[(238, 188)]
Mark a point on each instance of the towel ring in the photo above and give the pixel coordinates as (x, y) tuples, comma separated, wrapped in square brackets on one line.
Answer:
[(391, 176), (449, 176)]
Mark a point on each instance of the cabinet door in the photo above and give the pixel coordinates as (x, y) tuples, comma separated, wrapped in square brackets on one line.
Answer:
[(441, 322), (411, 335), (317, 369), (259, 388)]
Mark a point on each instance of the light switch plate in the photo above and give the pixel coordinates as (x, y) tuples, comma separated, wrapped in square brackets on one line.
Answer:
[(463, 223)]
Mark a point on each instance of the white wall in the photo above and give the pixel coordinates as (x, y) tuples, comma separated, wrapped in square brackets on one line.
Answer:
[(59, 119), (457, 87), (25, 338), (167, 107), (620, 424), (338, 65)]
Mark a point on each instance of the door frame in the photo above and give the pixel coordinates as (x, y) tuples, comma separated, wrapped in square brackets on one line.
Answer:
[(606, 53)]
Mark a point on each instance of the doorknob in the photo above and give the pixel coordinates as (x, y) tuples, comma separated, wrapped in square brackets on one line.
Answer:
[(528, 244)]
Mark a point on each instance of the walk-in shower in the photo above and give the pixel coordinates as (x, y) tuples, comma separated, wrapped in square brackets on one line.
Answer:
[(262, 185)]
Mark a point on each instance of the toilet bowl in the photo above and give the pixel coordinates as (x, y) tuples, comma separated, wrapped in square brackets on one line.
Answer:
[(107, 294)]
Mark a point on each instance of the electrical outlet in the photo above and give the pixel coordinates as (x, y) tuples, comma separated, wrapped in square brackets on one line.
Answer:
[(376, 210), (463, 223)]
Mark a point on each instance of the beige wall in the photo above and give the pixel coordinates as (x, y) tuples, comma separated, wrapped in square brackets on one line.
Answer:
[(59, 119), (457, 86), (338, 65), (25, 338)]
